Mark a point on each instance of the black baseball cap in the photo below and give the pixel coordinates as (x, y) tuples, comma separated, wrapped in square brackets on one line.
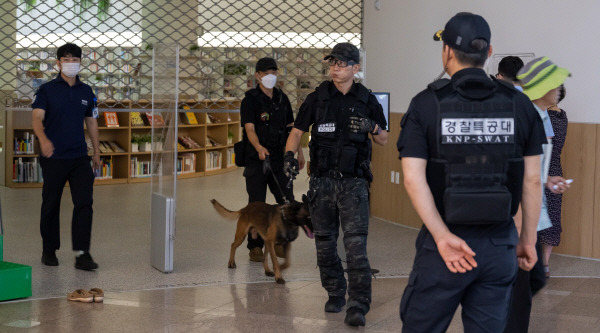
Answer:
[(344, 52), (462, 29), (264, 64)]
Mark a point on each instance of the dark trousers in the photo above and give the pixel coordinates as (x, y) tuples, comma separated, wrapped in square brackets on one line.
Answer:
[(433, 292), (345, 202), (256, 186), (79, 174), (526, 286)]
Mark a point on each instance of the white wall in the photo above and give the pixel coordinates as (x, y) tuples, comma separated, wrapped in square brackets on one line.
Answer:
[(403, 58)]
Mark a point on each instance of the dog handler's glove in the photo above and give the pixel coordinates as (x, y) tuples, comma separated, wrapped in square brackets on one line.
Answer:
[(361, 125), (290, 164)]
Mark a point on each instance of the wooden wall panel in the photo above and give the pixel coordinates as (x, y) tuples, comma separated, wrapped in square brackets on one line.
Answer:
[(581, 205), (596, 229), (390, 201), (579, 160)]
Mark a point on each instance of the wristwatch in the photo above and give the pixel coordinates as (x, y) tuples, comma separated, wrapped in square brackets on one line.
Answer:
[(378, 131)]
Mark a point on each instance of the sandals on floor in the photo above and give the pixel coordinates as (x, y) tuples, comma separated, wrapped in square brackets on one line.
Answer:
[(80, 295), (98, 295)]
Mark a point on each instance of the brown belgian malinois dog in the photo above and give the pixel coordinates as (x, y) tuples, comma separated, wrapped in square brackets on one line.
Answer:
[(276, 224)]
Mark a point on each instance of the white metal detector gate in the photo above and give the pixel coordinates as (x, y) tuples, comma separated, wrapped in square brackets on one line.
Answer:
[(165, 92)]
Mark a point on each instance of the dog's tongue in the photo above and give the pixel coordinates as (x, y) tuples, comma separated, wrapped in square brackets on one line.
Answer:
[(308, 232)]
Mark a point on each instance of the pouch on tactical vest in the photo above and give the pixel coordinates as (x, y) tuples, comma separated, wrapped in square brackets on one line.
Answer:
[(476, 163), (334, 150)]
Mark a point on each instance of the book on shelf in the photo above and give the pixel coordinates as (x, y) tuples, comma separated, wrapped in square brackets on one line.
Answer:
[(110, 119), (140, 168), (37, 83), (93, 55), (105, 170), (278, 54), (157, 120), (116, 148), (106, 147), (127, 68), (189, 118), (212, 119), (187, 142), (186, 163), (210, 142), (24, 145), (213, 160), (136, 119), (27, 170), (230, 157)]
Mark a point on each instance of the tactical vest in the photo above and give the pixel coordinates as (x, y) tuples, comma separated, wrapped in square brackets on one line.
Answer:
[(476, 171), (271, 129), (334, 150)]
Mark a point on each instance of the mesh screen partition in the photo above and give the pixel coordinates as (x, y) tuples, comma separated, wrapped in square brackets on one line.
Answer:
[(220, 42)]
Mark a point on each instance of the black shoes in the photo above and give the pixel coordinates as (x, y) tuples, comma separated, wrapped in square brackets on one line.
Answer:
[(335, 304), (85, 262), (355, 317), (49, 258)]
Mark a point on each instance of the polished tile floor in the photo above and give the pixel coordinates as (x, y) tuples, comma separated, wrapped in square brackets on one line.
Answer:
[(203, 295)]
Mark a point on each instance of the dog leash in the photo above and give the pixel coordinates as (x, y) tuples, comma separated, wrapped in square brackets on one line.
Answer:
[(267, 167)]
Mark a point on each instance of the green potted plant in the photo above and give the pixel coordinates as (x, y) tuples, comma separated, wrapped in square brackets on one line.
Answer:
[(229, 137), (97, 79), (136, 141), (146, 143), (33, 71), (84, 6)]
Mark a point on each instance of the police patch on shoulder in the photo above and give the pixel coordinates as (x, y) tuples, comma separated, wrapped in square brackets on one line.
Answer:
[(326, 128), (478, 130), (84, 102)]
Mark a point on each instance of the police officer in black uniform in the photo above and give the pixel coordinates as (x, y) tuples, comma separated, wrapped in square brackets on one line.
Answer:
[(342, 114), (470, 151), (267, 118)]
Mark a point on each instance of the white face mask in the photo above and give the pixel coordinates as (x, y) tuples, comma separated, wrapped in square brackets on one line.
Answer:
[(269, 81), (70, 69)]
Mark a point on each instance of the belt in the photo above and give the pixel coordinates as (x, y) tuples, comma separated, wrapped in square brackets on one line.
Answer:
[(335, 174)]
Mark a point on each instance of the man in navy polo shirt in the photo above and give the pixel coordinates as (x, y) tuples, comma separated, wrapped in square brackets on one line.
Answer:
[(59, 110)]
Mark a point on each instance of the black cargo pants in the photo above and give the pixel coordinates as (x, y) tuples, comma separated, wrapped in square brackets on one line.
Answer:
[(345, 202)]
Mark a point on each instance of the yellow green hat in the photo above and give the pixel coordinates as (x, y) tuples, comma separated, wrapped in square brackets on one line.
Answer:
[(539, 76)]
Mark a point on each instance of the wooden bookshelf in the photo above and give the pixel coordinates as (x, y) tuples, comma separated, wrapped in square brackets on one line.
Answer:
[(222, 126)]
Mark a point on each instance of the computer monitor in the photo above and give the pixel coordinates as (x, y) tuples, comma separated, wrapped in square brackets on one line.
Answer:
[(384, 99)]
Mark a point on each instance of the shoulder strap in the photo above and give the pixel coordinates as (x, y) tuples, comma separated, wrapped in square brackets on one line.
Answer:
[(438, 84), (363, 93)]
